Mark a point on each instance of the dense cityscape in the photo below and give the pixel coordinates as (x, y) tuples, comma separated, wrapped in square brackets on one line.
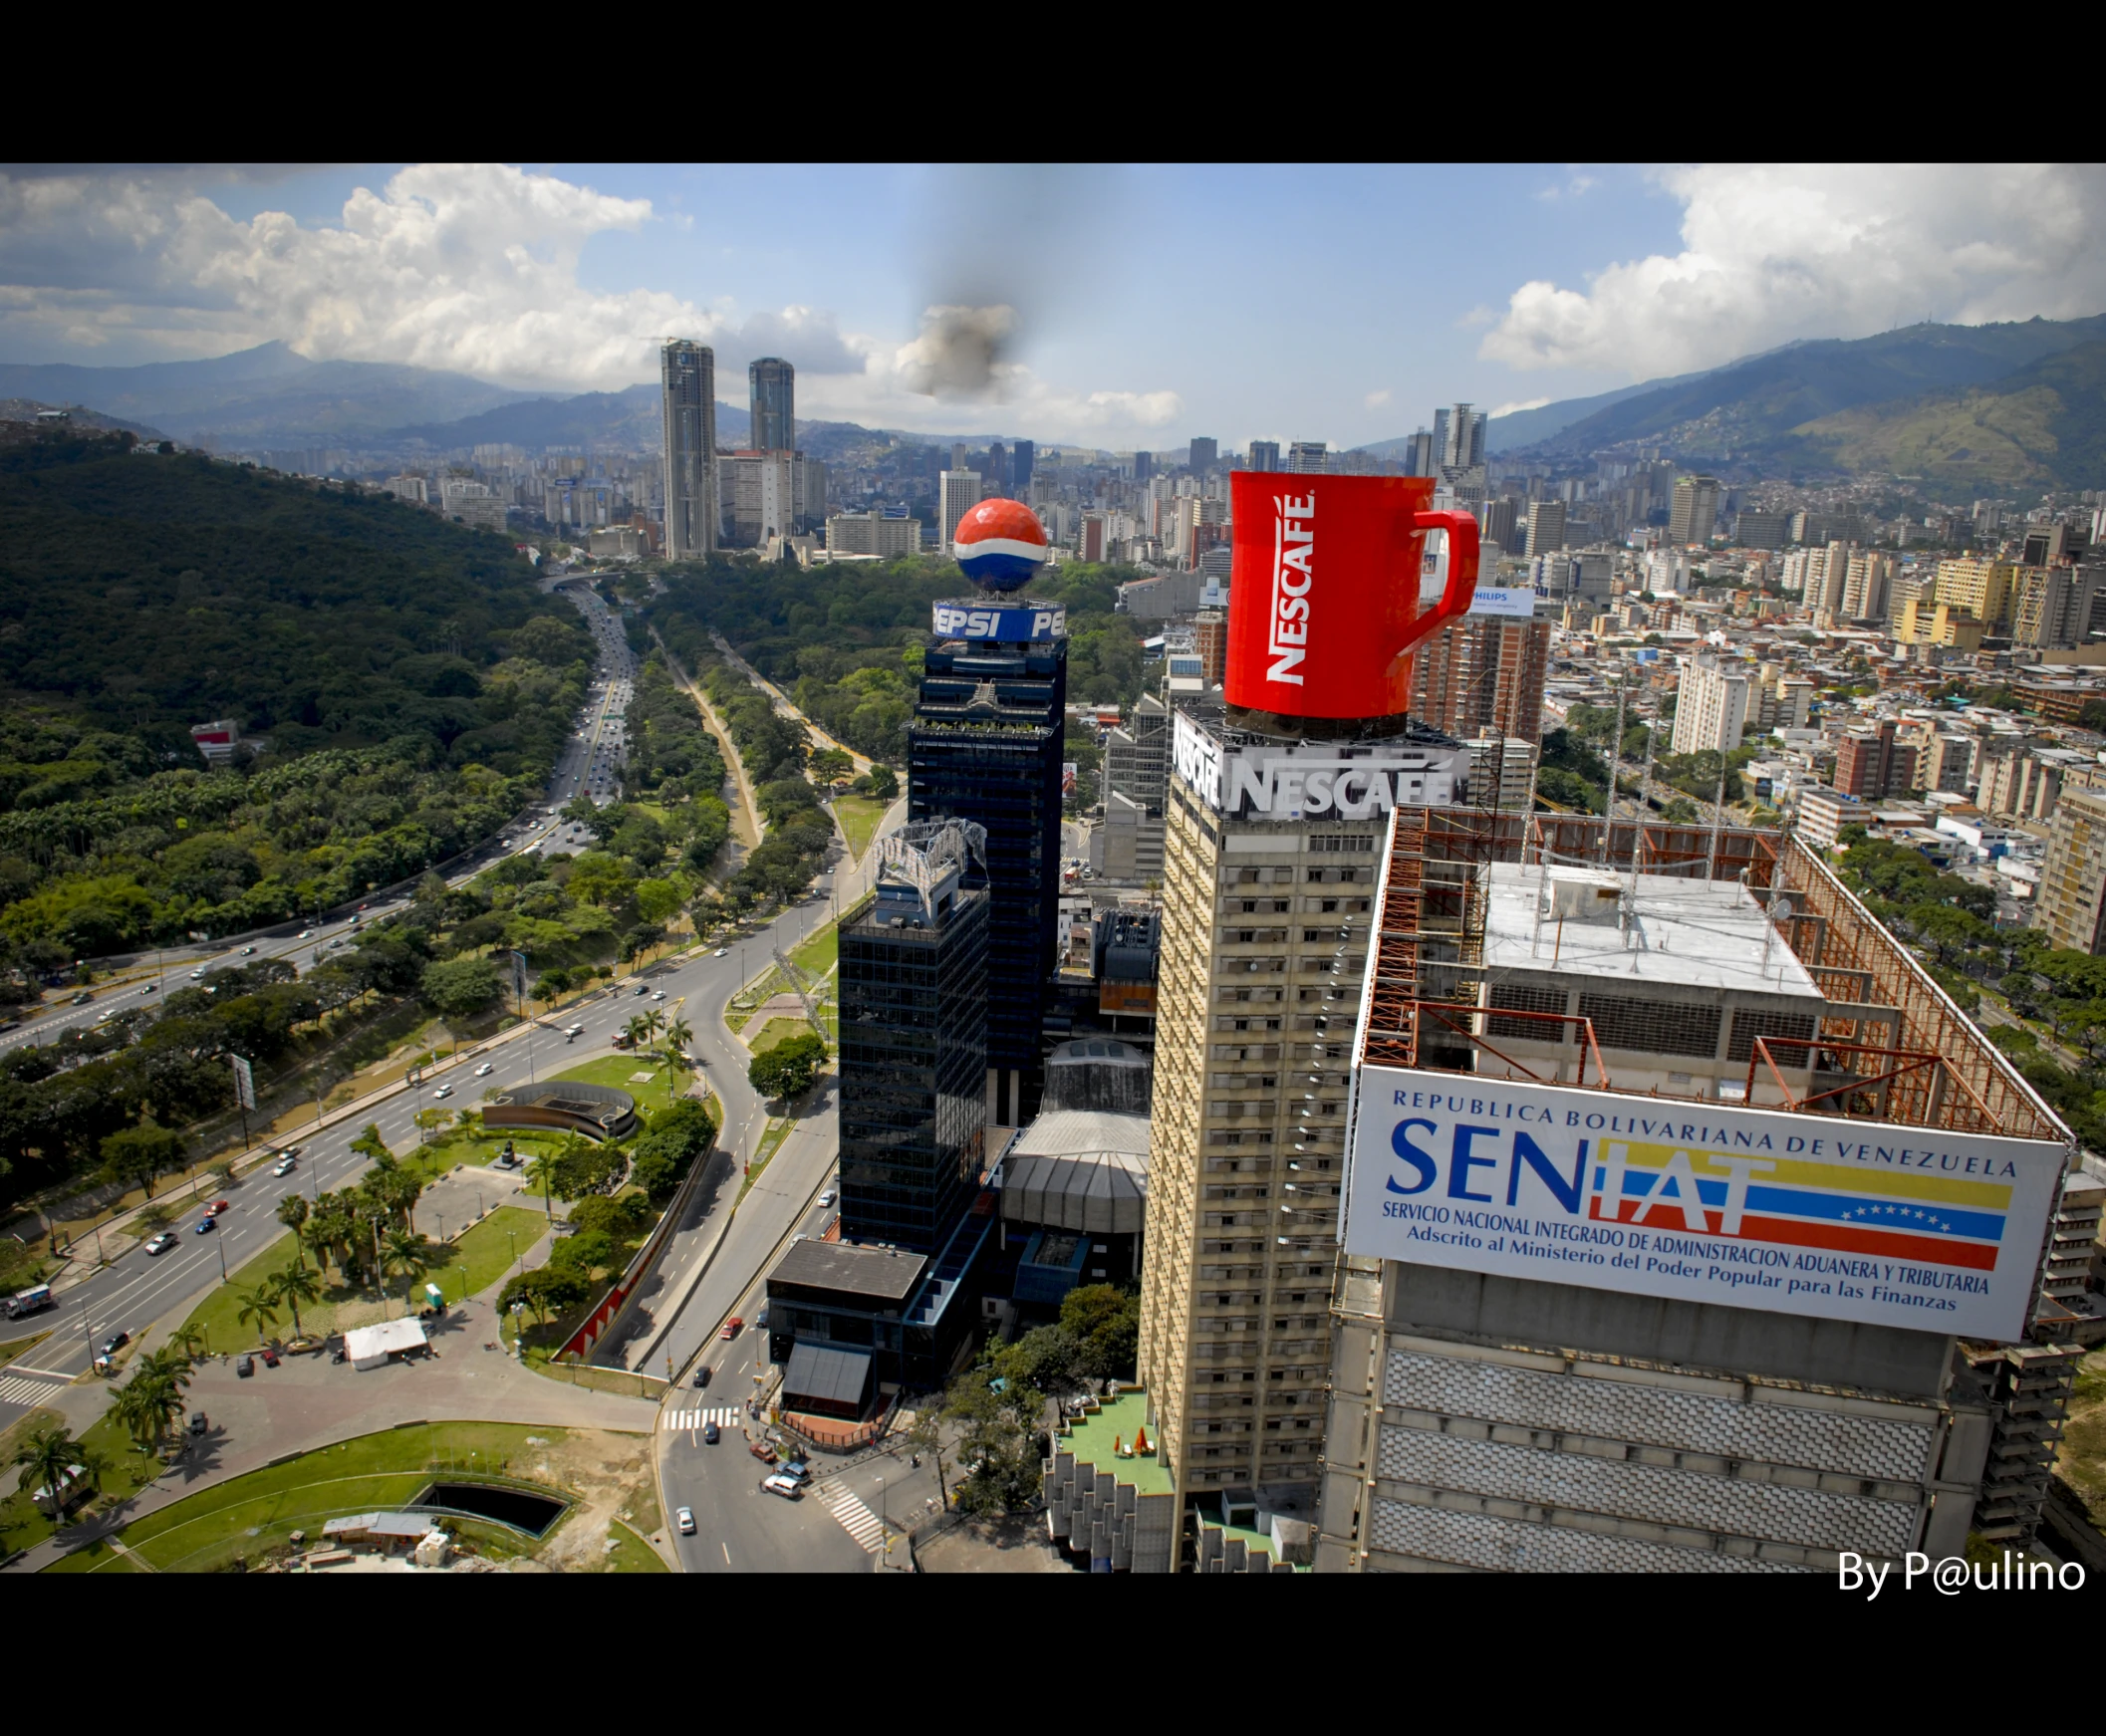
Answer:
[(636, 981)]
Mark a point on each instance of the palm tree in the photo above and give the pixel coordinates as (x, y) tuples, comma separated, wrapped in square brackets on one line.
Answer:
[(44, 1459), (654, 1021), (315, 1238), (638, 1031), (191, 1341), (679, 1034), (409, 1253), (144, 1404), (294, 1285), (292, 1213), (257, 1306)]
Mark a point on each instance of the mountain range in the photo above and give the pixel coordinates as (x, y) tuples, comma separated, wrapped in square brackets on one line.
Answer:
[(2011, 404)]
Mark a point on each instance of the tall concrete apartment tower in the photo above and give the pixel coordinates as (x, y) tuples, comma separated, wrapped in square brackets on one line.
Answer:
[(1264, 455), (958, 491), (1694, 512), (985, 745), (771, 383), (1264, 941), (693, 510)]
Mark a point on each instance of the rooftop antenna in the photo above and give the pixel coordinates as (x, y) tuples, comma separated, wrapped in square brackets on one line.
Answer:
[(1638, 827), (1616, 754)]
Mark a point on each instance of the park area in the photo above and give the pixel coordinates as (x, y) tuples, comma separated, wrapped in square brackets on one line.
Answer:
[(859, 817), (599, 1479)]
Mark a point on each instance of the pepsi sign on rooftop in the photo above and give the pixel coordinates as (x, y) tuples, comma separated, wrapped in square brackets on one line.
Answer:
[(1000, 543)]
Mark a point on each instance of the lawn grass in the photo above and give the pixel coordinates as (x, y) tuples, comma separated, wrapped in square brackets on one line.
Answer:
[(858, 816), (817, 954), (634, 1555), (775, 1030), (18, 1346), (22, 1526), (615, 1070), (473, 1260), (252, 1514)]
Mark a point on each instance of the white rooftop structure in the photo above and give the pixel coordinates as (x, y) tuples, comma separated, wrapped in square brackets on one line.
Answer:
[(1676, 930), (368, 1347)]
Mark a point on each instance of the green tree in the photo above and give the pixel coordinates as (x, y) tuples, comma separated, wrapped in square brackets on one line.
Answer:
[(46, 1457), (460, 988), (657, 901), (139, 1154), (293, 1286), (292, 1213), (788, 1070), (409, 1253), (1104, 1322), (884, 783), (257, 1306)]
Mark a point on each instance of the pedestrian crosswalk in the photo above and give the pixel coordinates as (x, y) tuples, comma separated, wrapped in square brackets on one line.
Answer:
[(724, 1416), (16, 1390), (855, 1519)]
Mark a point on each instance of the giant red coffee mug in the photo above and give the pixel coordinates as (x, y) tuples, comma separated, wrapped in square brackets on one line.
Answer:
[(1323, 606)]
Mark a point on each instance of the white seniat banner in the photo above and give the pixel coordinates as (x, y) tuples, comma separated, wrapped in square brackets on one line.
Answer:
[(1794, 1213), (244, 1081)]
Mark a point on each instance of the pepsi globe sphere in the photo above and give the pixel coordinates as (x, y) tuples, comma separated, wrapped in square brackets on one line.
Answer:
[(1002, 545)]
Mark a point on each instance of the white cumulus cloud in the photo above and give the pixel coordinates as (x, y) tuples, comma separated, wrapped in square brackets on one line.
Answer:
[(1774, 253)]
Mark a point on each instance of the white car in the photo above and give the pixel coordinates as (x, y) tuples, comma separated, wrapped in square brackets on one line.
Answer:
[(684, 1518), (284, 1166), (306, 934), (485, 1070), (659, 995), (724, 952), (444, 1090), (826, 1198), (789, 1488), (199, 975)]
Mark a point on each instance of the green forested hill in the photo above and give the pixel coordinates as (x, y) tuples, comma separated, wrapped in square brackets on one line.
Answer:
[(2043, 426), (411, 680)]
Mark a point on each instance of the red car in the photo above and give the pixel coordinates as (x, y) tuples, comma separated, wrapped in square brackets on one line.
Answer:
[(270, 1356), (216, 1208), (731, 1327)]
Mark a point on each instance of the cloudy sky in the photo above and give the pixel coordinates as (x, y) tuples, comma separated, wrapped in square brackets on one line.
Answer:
[(1116, 306)]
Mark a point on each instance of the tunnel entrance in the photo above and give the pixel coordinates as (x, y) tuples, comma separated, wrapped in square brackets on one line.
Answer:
[(532, 1514)]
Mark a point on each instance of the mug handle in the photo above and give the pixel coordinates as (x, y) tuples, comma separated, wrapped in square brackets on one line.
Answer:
[(1462, 528)]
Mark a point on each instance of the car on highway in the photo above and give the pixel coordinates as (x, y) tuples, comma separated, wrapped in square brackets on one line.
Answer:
[(160, 1243), (247, 952), (642, 989), (828, 1197), (683, 1518), (216, 1207), (789, 1488), (305, 934), (206, 1223), (116, 1342), (724, 952), (199, 975), (485, 1070), (574, 1030), (731, 1327), (284, 1166), (657, 994), (710, 1434), (84, 997), (701, 1375), (444, 1090)]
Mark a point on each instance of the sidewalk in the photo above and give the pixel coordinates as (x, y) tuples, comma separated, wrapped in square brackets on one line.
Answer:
[(693, 688)]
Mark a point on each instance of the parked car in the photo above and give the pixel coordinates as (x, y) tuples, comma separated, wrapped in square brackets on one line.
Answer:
[(160, 1243), (789, 1488), (683, 1518), (284, 1166), (797, 1468), (270, 1356), (761, 1451), (731, 1327), (198, 1424), (709, 1434), (246, 1367)]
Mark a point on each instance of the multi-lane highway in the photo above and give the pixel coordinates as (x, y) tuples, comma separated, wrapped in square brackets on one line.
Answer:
[(590, 763)]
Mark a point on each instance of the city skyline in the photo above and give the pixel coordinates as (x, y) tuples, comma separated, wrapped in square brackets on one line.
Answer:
[(1075, 305)]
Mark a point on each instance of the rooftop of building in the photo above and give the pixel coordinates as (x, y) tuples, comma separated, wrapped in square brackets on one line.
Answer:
[(1673, 929), (881, 1273), (1105, 1438)]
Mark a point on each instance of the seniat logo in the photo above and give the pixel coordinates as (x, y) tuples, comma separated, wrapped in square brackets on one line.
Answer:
[(1293, 572)]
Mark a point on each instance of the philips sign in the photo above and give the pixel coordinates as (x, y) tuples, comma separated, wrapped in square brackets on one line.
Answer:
[(1311, 780), (1790, 1213), (966, 620)]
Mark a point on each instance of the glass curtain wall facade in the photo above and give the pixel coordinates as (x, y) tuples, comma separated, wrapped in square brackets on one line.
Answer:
[(913, 1061), (688, 387), (772, 383), (986, 746)]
